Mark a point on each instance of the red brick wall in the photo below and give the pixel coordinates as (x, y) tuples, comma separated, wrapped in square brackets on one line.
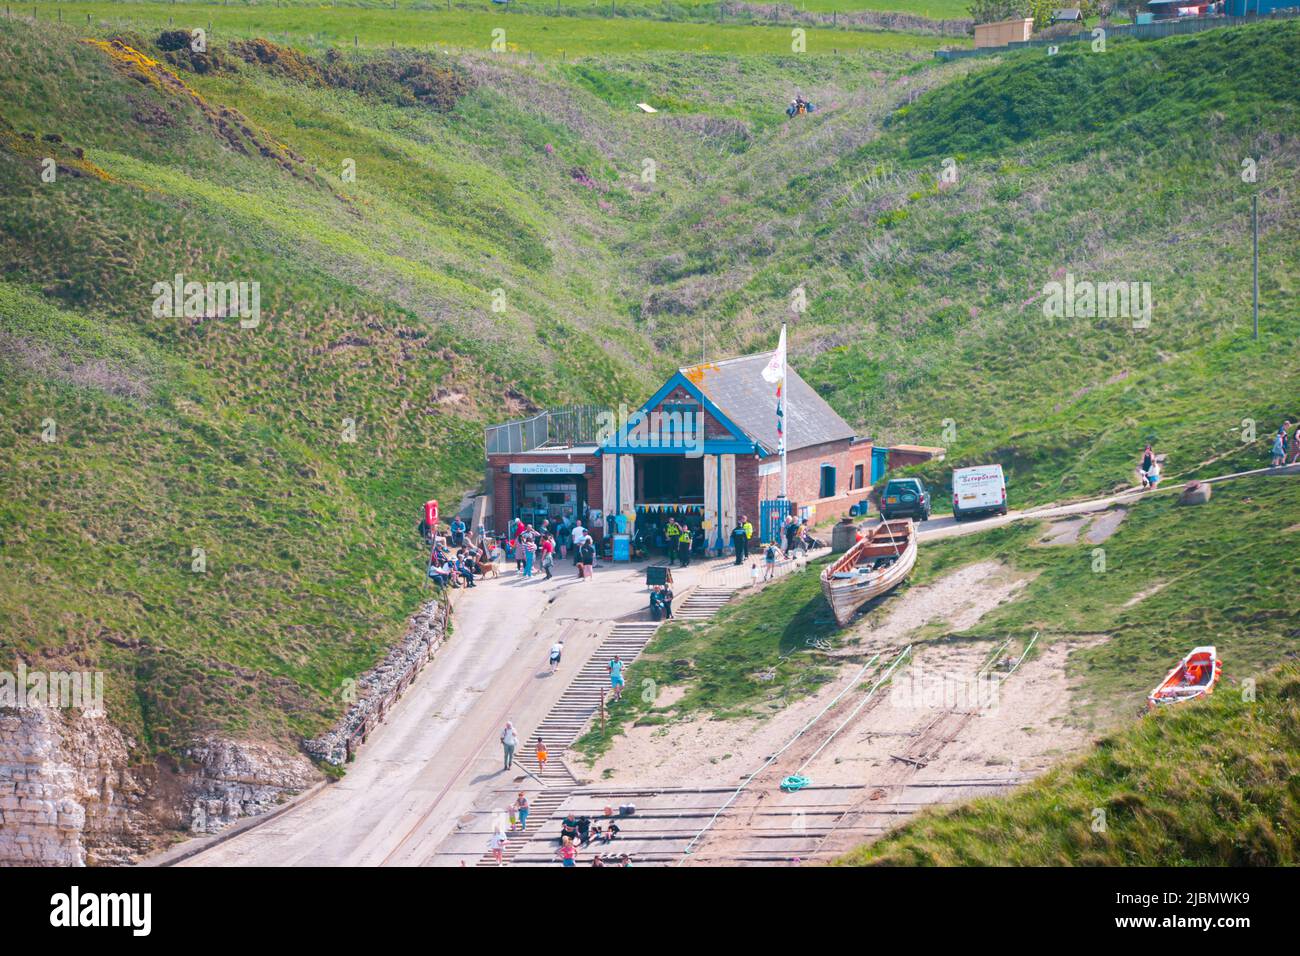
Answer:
[(805, 470), (497, 467), (898, 458), (804, 479)]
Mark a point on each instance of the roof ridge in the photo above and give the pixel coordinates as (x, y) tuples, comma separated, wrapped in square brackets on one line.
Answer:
[(729, 361)]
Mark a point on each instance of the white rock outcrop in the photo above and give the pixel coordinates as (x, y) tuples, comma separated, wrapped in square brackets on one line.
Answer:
[(70, 794)]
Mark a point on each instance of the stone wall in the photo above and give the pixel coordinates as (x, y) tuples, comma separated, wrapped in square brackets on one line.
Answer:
[(379, 688)]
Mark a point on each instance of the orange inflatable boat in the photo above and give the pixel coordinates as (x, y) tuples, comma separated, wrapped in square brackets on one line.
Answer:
[(1195, 676)]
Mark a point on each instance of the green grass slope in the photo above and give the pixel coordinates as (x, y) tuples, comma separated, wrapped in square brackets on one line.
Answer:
[(925, 318), (534, 32), (295, 454)]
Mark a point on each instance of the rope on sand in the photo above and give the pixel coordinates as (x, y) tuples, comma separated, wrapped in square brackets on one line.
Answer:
[(862, 703), (772, 759)]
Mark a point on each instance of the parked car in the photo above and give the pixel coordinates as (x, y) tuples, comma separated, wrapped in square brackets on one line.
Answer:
[(978, 490), (905, 498)]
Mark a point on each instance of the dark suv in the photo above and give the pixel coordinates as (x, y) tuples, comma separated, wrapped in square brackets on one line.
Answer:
[(905, 498)]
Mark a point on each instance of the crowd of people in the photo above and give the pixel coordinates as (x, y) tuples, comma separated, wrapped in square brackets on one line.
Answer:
[(581, 831), (532, 547), (460, 560), (460, 557)]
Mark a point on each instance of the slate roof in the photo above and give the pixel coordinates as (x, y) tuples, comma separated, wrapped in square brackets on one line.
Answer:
[(737, 387)]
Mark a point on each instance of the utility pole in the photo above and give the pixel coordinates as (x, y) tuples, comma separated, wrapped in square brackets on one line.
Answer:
[(1254, 234)]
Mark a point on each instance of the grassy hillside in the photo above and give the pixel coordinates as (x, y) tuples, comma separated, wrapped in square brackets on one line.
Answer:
[(296, 453), (1210, 783), (925, 319)]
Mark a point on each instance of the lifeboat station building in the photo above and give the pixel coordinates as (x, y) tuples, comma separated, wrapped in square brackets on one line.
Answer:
[(703, 450)]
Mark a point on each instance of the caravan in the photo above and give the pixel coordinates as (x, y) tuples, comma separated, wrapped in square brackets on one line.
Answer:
[(978, 490)]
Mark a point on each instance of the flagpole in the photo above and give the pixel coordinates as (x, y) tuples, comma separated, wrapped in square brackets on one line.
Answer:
[(785, 410)]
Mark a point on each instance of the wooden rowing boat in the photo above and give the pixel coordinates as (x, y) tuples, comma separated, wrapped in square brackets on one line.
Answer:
[(876, 564), (1195, 676)]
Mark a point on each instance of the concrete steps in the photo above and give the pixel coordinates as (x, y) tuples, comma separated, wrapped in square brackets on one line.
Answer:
[(569, 717), (541, 807), (703, 603)]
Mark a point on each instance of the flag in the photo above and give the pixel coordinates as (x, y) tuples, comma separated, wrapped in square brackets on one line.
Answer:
[(774, 372)]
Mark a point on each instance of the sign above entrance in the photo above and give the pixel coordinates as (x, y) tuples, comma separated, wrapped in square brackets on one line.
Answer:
[(546, 468)]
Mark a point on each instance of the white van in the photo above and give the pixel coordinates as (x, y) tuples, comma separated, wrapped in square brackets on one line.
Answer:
[(978, 490)]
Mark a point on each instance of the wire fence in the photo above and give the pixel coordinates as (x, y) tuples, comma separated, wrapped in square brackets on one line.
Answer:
[(736, 576), (561, 427)]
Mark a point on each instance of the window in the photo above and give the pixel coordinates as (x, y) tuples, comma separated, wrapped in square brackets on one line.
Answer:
[(857, 477), (828, 481)]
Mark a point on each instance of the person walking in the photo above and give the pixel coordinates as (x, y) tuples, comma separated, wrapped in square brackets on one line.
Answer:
[(753, 574), (548, 556), (509, 742), (1144, 465), (1295, 446), (769, 561), (791, 530), (576, 537), (497, 843), (739, 544), (616, 679), (530, 554), (567, 854), (556, 650), (521, 810), (541, 757), (586, 558)]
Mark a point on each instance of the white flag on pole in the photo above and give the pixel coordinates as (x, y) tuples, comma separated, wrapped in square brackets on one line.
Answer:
[(774, 371)]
